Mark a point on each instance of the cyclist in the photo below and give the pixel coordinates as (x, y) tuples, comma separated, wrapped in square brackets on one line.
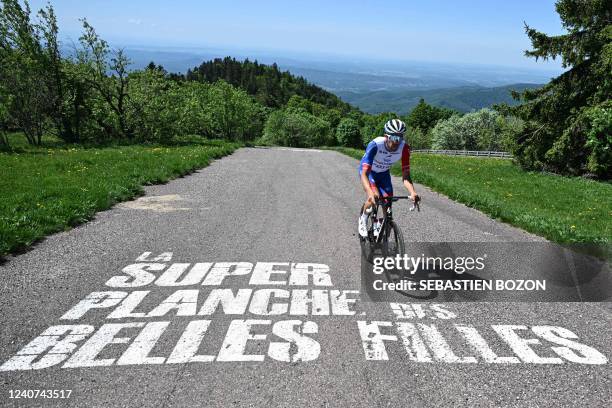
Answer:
[(374, 167)]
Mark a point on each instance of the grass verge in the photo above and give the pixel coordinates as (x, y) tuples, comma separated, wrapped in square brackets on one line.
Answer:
[(561, 209), (50, 189)]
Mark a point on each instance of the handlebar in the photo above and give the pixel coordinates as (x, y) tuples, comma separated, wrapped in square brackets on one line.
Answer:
[(415, 204), (392, 198)]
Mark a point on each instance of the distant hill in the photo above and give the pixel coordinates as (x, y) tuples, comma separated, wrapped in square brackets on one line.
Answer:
[(462, 99), (270, 86), (365, 82), (385, 91)]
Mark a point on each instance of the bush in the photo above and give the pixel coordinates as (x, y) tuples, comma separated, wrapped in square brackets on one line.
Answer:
[(445, 135), (510, 127), (235, 115), (481, 130), (162, 109), (418, 139), (348, 134), (153, 111), (296, 129)]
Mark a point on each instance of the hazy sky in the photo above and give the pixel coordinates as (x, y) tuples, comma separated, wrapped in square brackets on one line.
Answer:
[(474, 31)]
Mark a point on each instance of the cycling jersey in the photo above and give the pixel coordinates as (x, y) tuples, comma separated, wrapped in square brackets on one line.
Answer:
[(378, 160)]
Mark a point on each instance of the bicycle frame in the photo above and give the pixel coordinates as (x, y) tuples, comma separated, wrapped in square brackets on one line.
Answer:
[(386, 204)]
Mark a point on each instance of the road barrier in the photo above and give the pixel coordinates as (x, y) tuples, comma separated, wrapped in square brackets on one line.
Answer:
[(476, 153)]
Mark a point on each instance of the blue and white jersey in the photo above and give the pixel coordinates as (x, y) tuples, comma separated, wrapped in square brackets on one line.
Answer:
[(378, 158)]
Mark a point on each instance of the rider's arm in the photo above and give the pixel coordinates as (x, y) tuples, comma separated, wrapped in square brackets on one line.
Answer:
[(366, 167), (406, 171), (365, 182)]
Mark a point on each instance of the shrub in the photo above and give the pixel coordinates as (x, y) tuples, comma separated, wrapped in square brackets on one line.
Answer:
[(348, 134), (296, 129), (482, 130)]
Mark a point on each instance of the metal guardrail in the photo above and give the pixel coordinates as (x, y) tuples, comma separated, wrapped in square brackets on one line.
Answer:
[(475, 153)]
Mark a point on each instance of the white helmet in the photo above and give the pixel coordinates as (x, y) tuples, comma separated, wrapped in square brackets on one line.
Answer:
[(395, 128)]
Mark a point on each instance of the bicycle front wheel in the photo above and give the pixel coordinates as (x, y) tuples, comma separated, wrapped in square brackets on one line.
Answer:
[(393, 240)]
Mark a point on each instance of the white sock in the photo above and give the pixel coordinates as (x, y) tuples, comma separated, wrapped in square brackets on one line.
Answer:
[(364, 217)]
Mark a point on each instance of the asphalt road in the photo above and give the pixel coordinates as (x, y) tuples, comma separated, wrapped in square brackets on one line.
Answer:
[(286, 206)]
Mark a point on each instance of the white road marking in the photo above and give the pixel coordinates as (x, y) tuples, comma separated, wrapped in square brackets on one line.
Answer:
[(373, 340), (281, 289), (138, 352), (235, 343), (439, 346), (521, 346), (479, 344), (106, 335), (187, 347)]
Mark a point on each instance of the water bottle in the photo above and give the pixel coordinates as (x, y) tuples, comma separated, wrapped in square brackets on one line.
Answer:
[(377, 226)]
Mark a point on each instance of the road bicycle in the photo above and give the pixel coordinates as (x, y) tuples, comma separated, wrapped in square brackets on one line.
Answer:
[(383, 233), (385, 239)]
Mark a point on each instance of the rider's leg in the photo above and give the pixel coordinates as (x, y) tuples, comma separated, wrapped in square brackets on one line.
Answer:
[(381, 185), (374, 188), (383, 181), (363, 219)]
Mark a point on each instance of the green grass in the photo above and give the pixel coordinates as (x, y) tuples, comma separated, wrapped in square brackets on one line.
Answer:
[(51, 188), (561, 209)]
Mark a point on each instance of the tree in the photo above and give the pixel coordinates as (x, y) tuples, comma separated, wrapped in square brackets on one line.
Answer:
[(418, 139), (268, 84), (599, 138), (235, 114), (92, 97), (195, 109), (4, 120), (297, 103), (56, 77), (24, 67), (331, 115), (374, 126), (114, 89), (509, 127), (565, 121), (348, 134), (424, 116), (296, 129), (153, 111), (482, 130), (445, 134)]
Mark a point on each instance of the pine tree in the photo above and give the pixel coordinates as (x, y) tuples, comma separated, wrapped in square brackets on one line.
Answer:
[(568, 128), (424, 116)]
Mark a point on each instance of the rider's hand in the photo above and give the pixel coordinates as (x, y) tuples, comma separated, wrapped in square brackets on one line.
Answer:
[(372, 198)]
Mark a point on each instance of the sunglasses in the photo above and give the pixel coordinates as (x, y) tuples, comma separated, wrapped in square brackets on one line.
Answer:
[(396, 138)]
